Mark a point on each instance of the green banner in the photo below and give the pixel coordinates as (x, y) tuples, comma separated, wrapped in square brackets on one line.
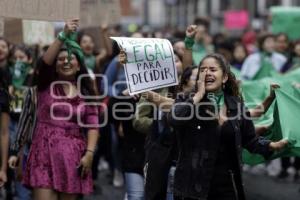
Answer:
[(286, 19), (283, 115)]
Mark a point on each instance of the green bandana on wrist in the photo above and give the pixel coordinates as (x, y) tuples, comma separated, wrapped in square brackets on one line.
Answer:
[(71, 45), (189, 42)]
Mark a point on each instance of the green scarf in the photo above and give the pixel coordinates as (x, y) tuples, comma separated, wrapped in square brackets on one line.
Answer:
[(216, 98), (19, 73), (71, 45)]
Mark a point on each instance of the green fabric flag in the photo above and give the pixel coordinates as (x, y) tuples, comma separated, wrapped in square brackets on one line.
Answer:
[(295, 64), (266, 69), (283, 115), (71, 45), (236, 72), (286, 20)]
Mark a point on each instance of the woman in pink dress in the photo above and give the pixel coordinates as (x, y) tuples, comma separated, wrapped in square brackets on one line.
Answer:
[(66, 133)]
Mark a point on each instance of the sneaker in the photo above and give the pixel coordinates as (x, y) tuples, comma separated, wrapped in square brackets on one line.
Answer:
[(283, 174), (118, 180)]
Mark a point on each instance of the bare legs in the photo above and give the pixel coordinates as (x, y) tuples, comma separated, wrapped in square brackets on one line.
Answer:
[(49, 194)]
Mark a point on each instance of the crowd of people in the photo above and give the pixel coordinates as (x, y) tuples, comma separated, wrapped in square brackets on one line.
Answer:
[(62, 111)]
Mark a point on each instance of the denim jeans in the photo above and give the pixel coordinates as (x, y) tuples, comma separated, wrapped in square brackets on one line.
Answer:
[(134, 186)]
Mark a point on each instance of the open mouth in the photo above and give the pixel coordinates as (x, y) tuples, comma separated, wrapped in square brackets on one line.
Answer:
[(67, 68), (209, 81), (88, 49)]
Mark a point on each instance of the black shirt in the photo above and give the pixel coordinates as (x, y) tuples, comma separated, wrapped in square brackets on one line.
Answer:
[(4, 101), (5, 78), (227, 153)]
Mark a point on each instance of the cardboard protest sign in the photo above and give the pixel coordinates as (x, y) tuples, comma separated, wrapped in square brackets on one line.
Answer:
[(94, 13), (286, 20), (38, 32), (54, 10), (13, 30), (150, 63), (236, 19)]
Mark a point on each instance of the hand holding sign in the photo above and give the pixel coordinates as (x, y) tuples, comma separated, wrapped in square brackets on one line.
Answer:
[(122, 57)]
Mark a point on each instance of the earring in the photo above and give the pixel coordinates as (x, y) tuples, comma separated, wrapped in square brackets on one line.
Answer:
[(223, 85)]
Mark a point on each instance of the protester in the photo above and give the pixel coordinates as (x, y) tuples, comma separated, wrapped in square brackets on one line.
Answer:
[(95, 60), (133, 153), (4, 110), (6, 87), (239, 56), (200, 48), (264, 63), (22, 77), (179, 47), (60, 158), (214, 176), (282, 44)]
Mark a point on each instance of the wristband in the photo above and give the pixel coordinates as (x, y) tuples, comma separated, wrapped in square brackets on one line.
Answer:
[(62, 36), (189, 42)]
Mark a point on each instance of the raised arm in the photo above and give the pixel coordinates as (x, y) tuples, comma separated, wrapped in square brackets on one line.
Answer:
[(105, 40), (189, 42), (52, 51), (261, 109)]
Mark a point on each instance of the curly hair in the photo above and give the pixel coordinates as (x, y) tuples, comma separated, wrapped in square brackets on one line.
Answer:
[(231, 86)]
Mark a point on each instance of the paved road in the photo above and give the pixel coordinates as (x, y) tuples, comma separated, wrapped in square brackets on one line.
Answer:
[(258, 187)]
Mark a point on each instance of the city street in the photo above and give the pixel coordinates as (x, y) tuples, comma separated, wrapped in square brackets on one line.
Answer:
[(258, 187)]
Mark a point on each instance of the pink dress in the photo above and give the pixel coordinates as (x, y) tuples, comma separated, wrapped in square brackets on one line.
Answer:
[(59, 144)]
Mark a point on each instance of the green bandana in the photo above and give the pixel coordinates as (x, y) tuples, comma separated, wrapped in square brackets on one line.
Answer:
[(217, 98), (19, 73), (71, 45)]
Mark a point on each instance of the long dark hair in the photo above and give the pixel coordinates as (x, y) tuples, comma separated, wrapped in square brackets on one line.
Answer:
[(262, 38), (86, 83), (45, 76), (231, 86), (8, 44), (26, 50)]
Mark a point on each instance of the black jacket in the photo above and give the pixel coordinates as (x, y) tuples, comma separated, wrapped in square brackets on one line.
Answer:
[(199, 142)]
